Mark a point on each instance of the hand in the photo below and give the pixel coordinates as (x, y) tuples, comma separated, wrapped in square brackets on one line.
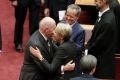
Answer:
[(14, 3), (46, 12), (69, 66), (36, 52), (42, 2)]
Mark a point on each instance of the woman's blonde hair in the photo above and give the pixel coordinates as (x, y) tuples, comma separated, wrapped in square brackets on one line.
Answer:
[(64, 30)]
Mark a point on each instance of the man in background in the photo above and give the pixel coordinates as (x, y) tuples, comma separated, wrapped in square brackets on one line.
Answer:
[(54, 6), (21, 7), (78, 33), (102, 43)]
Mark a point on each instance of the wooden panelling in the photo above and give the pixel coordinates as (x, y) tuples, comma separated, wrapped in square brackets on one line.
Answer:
[(86, 2)]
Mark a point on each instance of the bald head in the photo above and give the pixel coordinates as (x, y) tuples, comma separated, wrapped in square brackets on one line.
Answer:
[(46, 26), (46, 22)]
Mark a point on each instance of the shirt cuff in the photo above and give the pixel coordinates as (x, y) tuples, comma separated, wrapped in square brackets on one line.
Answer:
[(62, 70)]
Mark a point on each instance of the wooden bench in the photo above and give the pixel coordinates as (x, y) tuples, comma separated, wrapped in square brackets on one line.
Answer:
[(85, 2)]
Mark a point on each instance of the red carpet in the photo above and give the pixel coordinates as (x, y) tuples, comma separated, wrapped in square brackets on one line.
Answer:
[(10, 60)]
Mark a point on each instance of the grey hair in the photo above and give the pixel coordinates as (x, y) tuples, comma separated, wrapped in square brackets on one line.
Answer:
[(75, 7), (87, 63)]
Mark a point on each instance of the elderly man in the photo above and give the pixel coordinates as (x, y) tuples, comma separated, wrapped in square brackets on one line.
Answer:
[(88, 65), (32, 69)]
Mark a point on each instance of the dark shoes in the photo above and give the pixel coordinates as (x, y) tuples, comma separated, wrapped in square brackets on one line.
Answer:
[(19, 48)]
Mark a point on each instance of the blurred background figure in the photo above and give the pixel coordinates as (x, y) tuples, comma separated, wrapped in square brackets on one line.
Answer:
[(54, 6), (21, 7), (88, 65)]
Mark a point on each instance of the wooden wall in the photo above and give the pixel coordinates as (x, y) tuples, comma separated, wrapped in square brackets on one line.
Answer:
[(86, 2)]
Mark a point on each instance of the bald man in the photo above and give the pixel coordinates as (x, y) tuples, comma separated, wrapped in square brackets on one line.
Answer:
[(32, 69)]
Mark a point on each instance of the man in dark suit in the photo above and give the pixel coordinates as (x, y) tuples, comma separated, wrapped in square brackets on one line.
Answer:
[(102, 43), (21, 7), (78, 33), (88, 65), (32, 69), (54, 6), (66, 52)]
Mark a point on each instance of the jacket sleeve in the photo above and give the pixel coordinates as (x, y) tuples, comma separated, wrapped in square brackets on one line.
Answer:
[(58, 60), (102, 39), (36, 60), (80, 39)]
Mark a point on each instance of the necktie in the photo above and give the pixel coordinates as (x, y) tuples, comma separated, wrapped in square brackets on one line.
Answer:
[(49, 46)]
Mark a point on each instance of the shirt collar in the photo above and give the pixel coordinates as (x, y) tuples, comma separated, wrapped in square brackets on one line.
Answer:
[(101, 13), (73, 24), (43, 36)]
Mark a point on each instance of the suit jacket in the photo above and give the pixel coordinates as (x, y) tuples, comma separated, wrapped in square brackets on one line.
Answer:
[(117, 16), (103, 44), (78, 36), (66, 52), (84, 77), (32, 69), (57, 5)]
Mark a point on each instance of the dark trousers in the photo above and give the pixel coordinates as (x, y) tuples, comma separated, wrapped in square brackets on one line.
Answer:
[(20, 15), (54, 16), (0, 39)]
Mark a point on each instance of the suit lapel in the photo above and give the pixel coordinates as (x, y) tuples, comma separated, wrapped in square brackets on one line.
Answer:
[(44, 46)]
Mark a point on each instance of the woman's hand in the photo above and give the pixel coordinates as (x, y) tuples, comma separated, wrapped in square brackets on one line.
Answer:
[(36, 52), (14, 3)]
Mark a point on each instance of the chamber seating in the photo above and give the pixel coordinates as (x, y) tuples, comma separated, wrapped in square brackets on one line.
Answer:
[(85, 2)]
